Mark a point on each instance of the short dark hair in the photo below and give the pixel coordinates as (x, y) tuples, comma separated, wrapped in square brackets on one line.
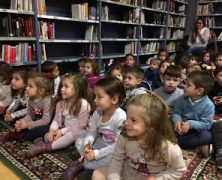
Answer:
[(202, 79), (48, 67), (136, 71), (217, 70), (173, 71), (112, 86)]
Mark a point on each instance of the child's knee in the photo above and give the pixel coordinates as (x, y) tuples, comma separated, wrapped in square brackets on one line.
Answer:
[(99, 174)]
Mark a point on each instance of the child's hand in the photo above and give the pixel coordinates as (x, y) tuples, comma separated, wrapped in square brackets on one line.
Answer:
[(90, 155), (177, 127), (50, 135), (20, 124), (217, 100), (57, 134), (185, 127), (149, 178), (87, 148), (8, 117)]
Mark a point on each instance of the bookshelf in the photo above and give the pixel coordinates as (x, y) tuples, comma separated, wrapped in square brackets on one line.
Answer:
[(64, 31), (17, 37), (211, 11)]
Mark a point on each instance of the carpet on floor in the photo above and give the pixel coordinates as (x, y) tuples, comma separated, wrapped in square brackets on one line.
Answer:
[(51, 166)]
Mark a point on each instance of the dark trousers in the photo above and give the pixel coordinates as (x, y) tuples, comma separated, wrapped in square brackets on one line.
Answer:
[(195, 138), (32, 134)]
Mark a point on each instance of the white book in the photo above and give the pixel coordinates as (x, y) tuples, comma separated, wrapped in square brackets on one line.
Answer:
[(89, 32), (76, 11), (220, 36)]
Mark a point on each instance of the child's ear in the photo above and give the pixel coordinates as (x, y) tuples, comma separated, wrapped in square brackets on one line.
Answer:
[(200, 91), (41, 91), (139, 81), (115, 99)]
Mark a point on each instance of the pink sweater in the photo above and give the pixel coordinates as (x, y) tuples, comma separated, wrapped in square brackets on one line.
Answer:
[(71, 126)]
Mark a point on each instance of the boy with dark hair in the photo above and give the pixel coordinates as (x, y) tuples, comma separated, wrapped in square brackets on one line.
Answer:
[(193, 113), (169, 91), (131, 82)]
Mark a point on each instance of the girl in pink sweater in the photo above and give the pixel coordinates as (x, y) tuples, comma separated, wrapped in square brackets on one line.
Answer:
[(71, 118)]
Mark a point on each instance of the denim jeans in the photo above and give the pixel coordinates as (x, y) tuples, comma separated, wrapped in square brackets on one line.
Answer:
[(195, 50), (195, 138)]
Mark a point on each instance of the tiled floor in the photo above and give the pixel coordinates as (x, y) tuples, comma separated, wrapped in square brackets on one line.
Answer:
[(6, 174)]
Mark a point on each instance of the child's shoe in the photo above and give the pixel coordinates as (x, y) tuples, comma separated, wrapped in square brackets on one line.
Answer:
[(73, 170), (39, 148), (205, 150)]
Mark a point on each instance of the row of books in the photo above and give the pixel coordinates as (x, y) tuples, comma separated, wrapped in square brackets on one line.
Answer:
[(176, 8), (21, 5), (159, 5), (47, 30), (15, 26), (171, 46), (176, 21), (210, 21), (83, 11), (175, 33), (23, 52), (91, 33), (205, 9), (150, 47), (130, 48), (131, 2)]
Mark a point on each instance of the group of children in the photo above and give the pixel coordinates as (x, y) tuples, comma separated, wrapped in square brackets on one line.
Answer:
[(120, 128)]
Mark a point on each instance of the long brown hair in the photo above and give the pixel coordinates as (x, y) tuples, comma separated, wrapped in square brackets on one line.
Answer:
[(157, 124), (80, 87), (194, 33)]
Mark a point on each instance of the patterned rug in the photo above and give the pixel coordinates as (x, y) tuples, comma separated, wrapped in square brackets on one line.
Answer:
[(50, 166), (46, 166)]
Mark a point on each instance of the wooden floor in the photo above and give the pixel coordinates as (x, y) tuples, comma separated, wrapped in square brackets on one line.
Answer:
[(6, 174)]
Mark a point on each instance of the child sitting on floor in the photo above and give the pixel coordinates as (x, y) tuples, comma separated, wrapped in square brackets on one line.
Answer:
[(193, 113), (39, 110), (147, 148), (106, 123), (18, 108), (71, 118)]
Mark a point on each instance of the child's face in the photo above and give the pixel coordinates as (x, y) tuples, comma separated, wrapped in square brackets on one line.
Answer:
[(163, 67), (130, 61), (67, 89), (153, 65), (88, 69), (162, 56), (130, 81), (218, 61), (170, 83), (134, 124), (102, 100), (55, 72), (193, 61), (117, 73), (190, 89), (17, 82), (81, 67), (31, 88), (206, 57), (218, 78)]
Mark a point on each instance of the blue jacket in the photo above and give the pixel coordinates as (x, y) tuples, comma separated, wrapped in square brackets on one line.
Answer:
[(199, 115)]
